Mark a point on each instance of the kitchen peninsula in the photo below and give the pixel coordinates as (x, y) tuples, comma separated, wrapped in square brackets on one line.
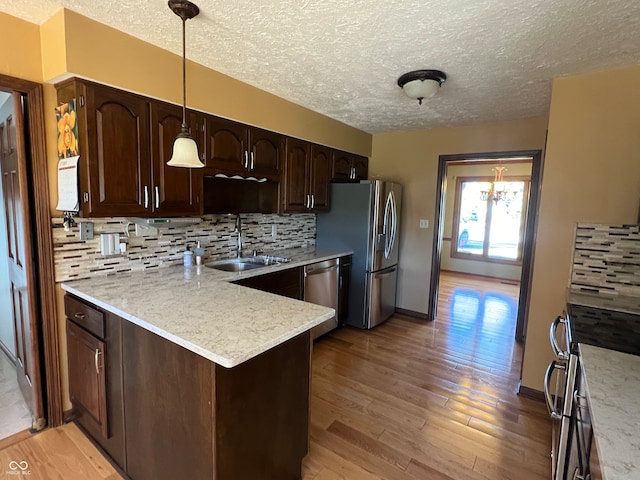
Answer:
[(204, 378)]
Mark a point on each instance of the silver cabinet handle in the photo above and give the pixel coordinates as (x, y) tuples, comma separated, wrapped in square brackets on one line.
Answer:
[(251, 160), (555, 346), (96, 360), (313, 201), (157, 197), (146, 196), (246, 159), (308, 202), (353, 173), (80, 316)]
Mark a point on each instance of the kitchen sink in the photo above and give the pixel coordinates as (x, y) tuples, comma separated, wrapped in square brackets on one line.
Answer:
[(235, 266), (246, 263)]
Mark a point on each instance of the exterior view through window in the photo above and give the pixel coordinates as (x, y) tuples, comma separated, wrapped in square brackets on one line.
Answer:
[(490, 229)]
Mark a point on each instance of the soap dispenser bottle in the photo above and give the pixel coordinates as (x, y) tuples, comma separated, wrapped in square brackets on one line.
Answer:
[(199, 252), (188, 257)]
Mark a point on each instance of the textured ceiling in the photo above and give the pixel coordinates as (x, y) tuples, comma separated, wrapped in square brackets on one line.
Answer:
[(342, 57)]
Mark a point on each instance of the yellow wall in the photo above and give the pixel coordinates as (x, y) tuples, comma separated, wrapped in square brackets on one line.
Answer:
[(591, 174), (411, 158), (20, 53)]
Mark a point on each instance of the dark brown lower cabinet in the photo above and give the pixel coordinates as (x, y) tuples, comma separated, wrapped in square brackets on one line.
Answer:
[(88, 384), (94, 353), (169, 411), (174, 414), (287, 283)]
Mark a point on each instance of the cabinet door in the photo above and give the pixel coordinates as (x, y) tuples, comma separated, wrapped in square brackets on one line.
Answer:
[(320, 170), (296, 176), (265, 153), (287, 283), (341, 166), (117, 133), (87, 378), (360, 168), (174, 189), (226, 149)]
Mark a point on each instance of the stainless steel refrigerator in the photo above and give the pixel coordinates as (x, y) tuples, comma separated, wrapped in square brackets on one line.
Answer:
[(364, 217)]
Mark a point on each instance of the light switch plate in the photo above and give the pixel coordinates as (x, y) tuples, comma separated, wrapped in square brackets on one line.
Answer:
[(424, 223), (86, 230)]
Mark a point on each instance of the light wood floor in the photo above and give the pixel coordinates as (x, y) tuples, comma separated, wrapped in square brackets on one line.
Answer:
[(407, 400)]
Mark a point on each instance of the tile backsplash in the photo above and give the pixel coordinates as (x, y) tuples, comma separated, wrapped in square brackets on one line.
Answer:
[(607, 259), (76, 259)]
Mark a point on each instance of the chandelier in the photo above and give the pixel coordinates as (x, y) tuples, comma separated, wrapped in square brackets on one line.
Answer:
[(497, 189)]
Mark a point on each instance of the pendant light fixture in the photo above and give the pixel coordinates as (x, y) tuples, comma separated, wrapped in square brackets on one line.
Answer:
[(185, 149), (497, 190), (421, 84)]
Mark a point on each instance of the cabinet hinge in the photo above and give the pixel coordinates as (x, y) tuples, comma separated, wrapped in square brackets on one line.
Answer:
[(81, 100), (85, 197)]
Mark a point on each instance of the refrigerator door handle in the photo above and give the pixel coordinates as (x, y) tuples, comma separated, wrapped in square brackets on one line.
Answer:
[(390, 224)]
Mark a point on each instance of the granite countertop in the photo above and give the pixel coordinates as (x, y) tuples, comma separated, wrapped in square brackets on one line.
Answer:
[(613, 390), (618, 303), (197, 307)]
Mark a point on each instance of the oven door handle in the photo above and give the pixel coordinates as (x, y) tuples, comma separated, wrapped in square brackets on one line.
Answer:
[(553, 338), (555, 414)]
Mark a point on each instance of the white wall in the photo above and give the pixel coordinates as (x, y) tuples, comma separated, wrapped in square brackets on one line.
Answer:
[(7, 333), (475, 267)]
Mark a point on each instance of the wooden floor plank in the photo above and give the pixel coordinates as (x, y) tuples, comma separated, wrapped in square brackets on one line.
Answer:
[(443, 393)]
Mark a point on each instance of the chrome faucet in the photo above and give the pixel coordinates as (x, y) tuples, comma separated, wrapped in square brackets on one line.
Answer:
[(238, 230)]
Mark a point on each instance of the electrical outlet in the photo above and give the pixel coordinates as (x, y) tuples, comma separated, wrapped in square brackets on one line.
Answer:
[(86, 230), (424, 223), (274, 231)]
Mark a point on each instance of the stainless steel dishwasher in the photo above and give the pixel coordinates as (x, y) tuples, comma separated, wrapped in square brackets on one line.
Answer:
[(321, 288)]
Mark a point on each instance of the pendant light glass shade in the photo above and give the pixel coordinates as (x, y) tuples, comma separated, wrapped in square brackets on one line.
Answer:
[(185, 149), (185, 153)]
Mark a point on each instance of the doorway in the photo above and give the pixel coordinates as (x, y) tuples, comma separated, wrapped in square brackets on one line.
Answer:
[(29, 340), (485, 232)]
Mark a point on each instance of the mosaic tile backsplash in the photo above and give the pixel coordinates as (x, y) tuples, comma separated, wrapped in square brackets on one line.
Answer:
[(607, 259), (76, 259)]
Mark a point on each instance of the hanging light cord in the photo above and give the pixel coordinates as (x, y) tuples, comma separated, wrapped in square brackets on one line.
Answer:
[(184, 76)]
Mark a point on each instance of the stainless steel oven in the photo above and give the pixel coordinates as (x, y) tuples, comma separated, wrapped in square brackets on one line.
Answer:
[(568, 406), (561, 372)]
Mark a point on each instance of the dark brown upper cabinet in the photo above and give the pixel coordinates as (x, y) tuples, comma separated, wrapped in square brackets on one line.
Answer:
[(175, 191), (348, 167), (124, 143), (113, 143), (306, 177), (236, 149)]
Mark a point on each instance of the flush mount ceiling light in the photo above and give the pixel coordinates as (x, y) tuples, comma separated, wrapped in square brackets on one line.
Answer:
[(421, 84), (185, 149)]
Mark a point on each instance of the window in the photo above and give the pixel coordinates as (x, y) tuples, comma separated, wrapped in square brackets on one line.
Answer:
[(489, 230)]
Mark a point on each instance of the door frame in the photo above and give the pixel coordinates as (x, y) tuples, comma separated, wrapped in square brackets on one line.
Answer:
[(529, 234), (42, 243)]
